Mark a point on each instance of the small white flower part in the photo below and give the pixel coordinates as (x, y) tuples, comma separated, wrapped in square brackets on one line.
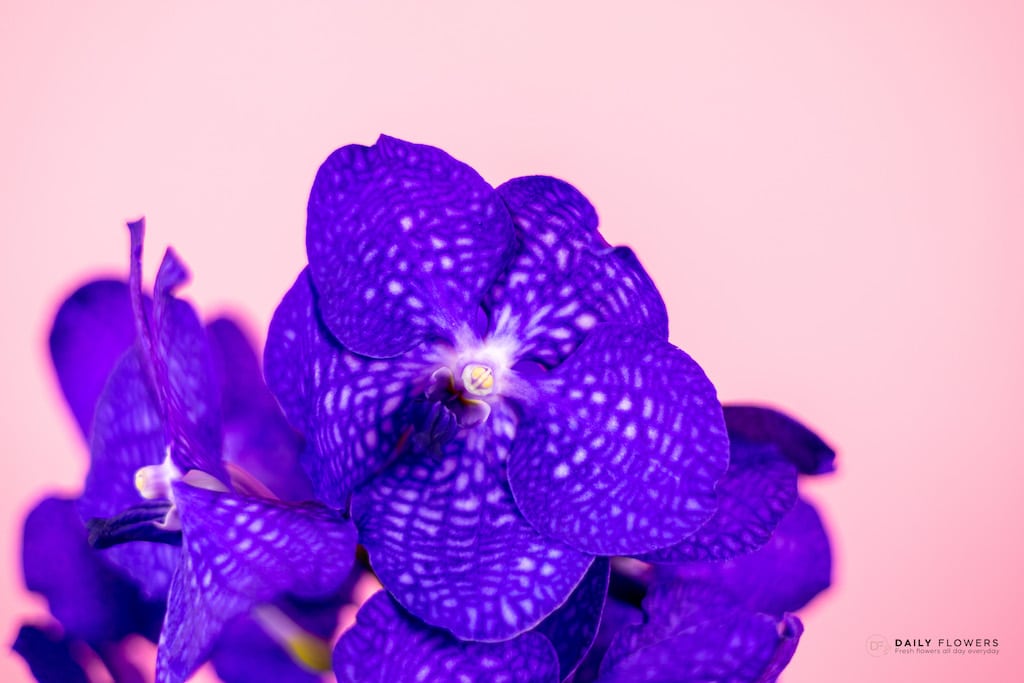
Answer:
[(154, 481), (478, 379)]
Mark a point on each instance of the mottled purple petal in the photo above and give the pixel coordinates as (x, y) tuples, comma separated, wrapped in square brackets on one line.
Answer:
[(572, 627), (240, 552), (387, 645), (565, 278), (191, 391), (622, 452), (696, 632), (256, 435), (784, 575), (91, 599), (403, 240), (91, 330), (347, 405), (445, 537), (762, 425), (127, 434), (49, 656), (178, 365), (757, 491)]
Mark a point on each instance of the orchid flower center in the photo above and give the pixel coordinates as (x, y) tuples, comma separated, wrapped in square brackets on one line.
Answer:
[(469, 378), (463, 398), (478, 379)]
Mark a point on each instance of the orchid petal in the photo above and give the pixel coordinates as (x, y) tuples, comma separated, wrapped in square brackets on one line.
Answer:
[(240, 552), (403, 240), (388, 645), (564, 278), (623, 452), (762, 425), (757, 491), (91, 330), (348, 406), (446, 539)]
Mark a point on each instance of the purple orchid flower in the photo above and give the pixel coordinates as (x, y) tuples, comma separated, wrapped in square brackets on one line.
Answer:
[(490, 382), (486, 387), (227, 546), (726, 620)]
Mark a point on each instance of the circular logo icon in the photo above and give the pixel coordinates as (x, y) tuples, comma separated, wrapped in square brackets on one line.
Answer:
[(877, 645)]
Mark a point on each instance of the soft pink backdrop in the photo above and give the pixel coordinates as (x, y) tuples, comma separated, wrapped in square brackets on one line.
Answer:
[(829, 198)]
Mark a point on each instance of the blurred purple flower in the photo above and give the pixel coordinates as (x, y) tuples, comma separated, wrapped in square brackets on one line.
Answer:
[(181, 400)]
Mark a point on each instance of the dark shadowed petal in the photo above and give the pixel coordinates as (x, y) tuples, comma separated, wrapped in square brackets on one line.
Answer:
[(279, 643), (445, 537), (622, 452), (127, 434), (246, 654), (347, 405), (669, 607), (256, 435), (91, 330), (757, 491), (403, 240), (387, 645), (49, 656), (695, 632), (784, 575), (740, 648), (240, 552), (762, 425), (616, 616), (565, 278), (236, 365), (91, 599), (572, 627), (294, 341)]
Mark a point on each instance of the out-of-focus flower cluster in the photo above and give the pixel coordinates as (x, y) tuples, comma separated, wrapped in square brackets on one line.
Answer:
[(468, 396)]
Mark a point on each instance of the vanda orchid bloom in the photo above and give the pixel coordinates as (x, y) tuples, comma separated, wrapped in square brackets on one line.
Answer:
[(491, 384), (488, 385), (221, 544), (481, 392)]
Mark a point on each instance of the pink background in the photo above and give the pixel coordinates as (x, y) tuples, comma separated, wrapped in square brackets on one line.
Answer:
[(829, 198)]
